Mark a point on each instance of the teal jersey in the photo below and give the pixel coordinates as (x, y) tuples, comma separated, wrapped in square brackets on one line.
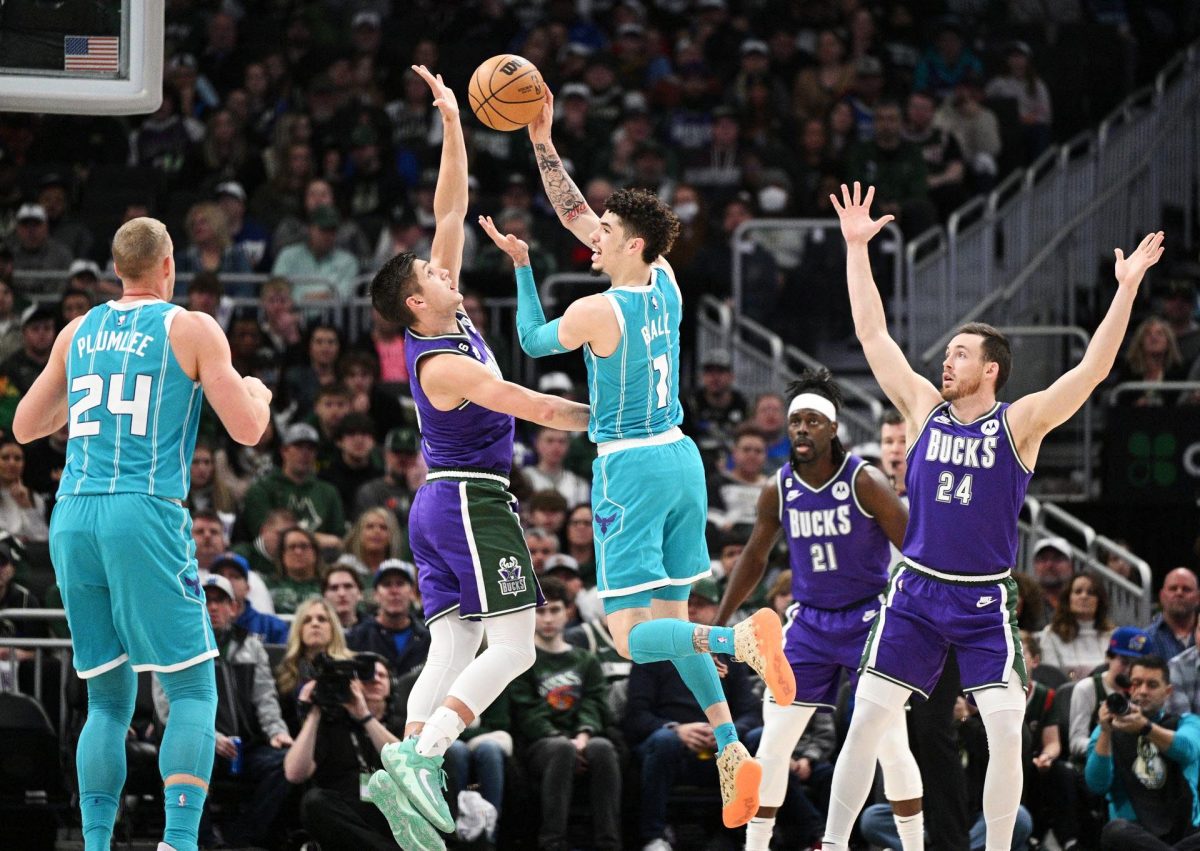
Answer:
[(634, 392), (133, 412)]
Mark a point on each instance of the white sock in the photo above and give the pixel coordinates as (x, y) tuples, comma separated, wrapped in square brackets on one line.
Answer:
[(442, 728), (912, 831), (758, 833), (162, 846)]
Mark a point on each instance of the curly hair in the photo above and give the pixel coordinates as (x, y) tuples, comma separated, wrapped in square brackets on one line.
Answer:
[(392, 286), (643, 215)]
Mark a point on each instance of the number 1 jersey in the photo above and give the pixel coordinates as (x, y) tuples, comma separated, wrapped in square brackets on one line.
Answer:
[(132, 412)]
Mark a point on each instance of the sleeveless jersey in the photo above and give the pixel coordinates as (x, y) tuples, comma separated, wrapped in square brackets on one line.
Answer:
[(634, 392), (132, 411), (468, 436), (838, 554), (966, 486)]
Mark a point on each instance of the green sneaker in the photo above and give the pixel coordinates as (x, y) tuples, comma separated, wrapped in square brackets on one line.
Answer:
[(408, 826), (420, 778)]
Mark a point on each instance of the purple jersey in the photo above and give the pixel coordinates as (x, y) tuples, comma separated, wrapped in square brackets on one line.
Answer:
[(469, 436), (966, 486), (839, 554)]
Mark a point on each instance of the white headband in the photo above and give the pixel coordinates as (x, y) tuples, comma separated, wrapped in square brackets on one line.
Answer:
[(813, 402)]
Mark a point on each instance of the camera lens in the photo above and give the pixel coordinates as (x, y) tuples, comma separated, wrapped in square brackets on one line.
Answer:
[(1117, 703)]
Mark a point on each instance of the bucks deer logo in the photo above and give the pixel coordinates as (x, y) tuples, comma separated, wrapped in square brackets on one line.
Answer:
[(511, 579)]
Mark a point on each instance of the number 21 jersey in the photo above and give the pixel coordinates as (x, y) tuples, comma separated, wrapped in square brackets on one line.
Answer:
[(132, 411)]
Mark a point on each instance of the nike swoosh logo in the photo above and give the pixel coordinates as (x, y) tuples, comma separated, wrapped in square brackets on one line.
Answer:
[(869, 615), (423, 778), (984, 601)]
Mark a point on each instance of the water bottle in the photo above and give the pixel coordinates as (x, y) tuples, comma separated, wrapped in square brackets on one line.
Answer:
[(235, 764)]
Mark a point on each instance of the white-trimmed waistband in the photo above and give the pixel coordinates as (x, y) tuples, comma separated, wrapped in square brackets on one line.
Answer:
[(960, 578), (467, 474), (610, 446)]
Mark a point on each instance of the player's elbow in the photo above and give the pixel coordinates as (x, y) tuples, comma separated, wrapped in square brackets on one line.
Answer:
[(22, 429), (247, 431)]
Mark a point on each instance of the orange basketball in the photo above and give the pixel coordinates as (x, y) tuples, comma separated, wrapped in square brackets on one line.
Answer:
[(506, 92)]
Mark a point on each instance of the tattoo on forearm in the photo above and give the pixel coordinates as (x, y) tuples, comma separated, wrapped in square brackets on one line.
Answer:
[(563, 193), (700, 639)]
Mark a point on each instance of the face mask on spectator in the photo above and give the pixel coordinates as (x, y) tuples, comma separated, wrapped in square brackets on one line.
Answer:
[(687, 211), (772, 199)]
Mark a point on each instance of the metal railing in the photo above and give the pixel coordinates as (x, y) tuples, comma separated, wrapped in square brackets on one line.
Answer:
[(60, 648), (1134, 386)]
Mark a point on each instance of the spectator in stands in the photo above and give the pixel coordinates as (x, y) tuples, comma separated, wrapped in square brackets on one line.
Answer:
[(1177, 302), (947, 62), (84, 275), (977, 130), (319, 193), (33, 249), (72, 304), (477, 758), (310, 634), (770, 420), (209, 535), (865, 95), (10, 321), (282, 194), (54, 196), (542, 544), (717, 167), (1080, 630), (944, 167), (548, 510), (263, 550), (22, 511), (236, 570), (323, 345), (549, 473), (393, 632), (210, 246), (209, 491), (247, 708), (336, 745), (14, 595), (315, 504), (892, 442), (358, 372), (733, 495), (1020, 82), (402, 472), (38, 327), (374, 538), (1173, 630), (355, 458), (812, 163), (298, 571), (387, 342), (716, 408), (247, 234), (1052, 567), (779, 594), (896, 169), (669, 732), (1153, 356), (818, 88), (1146, 761), (584, 603), (560, 712), (319, 269), (342, 589), (1127, 645), (206, 294), (581, 542), (281, 324)]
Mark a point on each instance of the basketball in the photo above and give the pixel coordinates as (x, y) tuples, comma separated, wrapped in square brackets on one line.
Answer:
[(506, 92)]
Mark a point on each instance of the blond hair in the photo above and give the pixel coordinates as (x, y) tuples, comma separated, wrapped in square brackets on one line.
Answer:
[(287, 673), (218, 222), (138, 246)]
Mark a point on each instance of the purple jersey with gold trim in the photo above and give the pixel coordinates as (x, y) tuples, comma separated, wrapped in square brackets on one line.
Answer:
[(966, 486), (839, 555), (468, 436)]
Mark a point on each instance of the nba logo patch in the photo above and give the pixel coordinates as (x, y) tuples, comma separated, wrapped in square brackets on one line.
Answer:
[(841, 490), (990, 427), (120, 318)]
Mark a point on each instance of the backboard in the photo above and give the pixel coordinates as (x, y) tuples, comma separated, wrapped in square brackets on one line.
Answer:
[(94, 57)]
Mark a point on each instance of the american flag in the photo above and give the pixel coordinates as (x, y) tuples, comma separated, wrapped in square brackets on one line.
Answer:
[(91, 52)]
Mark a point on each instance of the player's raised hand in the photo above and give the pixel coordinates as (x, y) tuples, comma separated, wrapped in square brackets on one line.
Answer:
[(854, 211), (539, 128), (515, 248), (1130, 270), (443, 95)]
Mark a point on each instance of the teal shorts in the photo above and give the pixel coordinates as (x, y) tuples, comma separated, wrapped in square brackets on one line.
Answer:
[(126, 567), (649, 508)]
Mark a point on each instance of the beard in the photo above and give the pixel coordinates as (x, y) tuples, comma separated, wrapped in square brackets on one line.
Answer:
[(961, 389)]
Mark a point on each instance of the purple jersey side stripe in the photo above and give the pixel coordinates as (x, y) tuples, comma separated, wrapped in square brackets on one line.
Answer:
[(468, 436), (838, 554), (966, 486)]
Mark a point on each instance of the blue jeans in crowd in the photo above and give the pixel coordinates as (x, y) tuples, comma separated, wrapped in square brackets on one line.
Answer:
[(483, 766), (879, 828), (665, 760), (262, 766)]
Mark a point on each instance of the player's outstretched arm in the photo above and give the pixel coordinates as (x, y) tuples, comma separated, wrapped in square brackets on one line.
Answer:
[(568, 202), (242, 404), (538, 338), (878, 498), (450, 196), (450, 378), (1032, 416), (43, 410), (913, 395), (748, 571)]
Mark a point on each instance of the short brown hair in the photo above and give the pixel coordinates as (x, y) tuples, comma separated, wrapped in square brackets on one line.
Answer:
[(392, 286), (995, 348), (138, 246), (643, 215)]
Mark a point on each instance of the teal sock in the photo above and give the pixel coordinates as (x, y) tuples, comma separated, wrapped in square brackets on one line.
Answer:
[(98, 813), (101, 754), (699, 674), (726, 734), (665, 639), (184, 805), (188, 745)]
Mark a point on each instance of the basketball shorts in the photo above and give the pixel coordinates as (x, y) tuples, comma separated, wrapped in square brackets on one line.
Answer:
[(924, 615), (822, 643), (126, 567), (470, 551), (649, 508)]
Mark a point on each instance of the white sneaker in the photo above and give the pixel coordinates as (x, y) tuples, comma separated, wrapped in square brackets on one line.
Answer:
[(657, 845), (162, 846)]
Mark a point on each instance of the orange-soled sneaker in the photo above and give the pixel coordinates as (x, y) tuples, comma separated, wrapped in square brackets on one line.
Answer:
[(740, 778), (758, 641)]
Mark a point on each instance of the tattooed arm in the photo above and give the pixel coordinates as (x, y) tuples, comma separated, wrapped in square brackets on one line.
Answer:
[(568, 202)]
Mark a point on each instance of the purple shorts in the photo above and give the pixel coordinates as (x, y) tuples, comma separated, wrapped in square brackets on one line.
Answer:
[(470, 551), (924, 616), (822, 643)]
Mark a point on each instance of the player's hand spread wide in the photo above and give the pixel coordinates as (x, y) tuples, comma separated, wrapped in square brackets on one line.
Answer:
[(443, 95), (855, 213), (515, 248)]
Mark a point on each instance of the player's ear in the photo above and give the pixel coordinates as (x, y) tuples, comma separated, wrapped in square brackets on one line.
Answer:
[(636, 245)]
